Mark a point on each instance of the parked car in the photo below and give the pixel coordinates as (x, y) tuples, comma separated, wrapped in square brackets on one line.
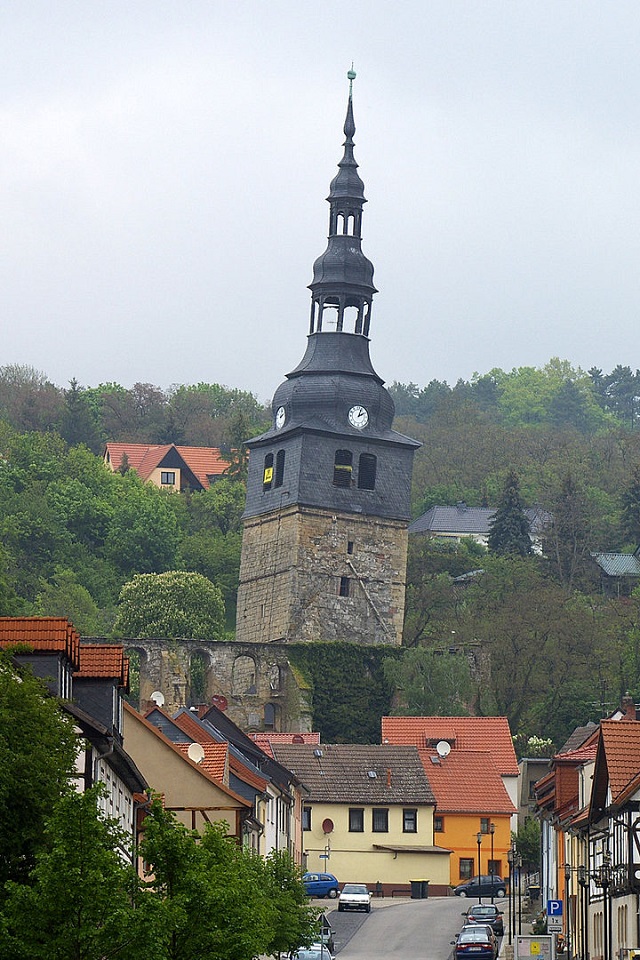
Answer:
[(321, 885), (486, 929), (355, 896), (475, 942), (486, 913), (483, 886), (316, 951)]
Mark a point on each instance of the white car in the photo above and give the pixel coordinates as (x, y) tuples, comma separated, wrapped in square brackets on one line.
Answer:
[(355, 896)]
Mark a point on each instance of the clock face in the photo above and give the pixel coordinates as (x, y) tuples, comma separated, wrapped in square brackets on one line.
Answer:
[(358, 417), (281, 416)]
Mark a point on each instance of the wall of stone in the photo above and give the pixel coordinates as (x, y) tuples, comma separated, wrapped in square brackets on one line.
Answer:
[(293, 562), (254, 680)]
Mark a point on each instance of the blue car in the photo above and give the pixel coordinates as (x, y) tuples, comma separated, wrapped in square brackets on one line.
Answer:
[(320, 885)]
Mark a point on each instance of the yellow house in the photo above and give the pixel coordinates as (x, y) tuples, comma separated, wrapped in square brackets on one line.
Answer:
[(472, 768), (369, 815), (168, 466)]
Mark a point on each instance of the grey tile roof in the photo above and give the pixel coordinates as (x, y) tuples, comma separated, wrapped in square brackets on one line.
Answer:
[(342, 773), (618, 564), (464, 520)]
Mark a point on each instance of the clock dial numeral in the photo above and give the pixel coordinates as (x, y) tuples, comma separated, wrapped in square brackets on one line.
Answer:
[(358, 417)]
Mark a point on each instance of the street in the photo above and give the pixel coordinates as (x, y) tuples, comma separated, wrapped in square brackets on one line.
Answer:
[(398, 929)]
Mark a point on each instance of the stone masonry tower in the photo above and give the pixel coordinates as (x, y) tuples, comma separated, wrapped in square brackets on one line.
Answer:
[(324, 546)]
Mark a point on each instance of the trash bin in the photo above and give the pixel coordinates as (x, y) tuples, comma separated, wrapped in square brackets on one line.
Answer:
[(419, 889)]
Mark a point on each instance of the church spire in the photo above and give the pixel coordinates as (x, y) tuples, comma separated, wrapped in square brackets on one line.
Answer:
[(343, 276)]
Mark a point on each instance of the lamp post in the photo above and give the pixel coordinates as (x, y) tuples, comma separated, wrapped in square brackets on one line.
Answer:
[(479, 842), (602, 878), (510, 862), (492, 830), (583, 880)]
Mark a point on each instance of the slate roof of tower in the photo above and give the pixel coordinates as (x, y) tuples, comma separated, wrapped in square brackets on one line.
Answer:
[(467, 781), (43, 635), (341, 773), (463, 733)]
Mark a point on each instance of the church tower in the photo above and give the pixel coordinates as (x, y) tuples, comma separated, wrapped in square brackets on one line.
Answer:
[(324, 546)]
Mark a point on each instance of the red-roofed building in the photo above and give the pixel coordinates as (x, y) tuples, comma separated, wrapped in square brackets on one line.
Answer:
[(266, 740), (167, 465), (471, 765), (89, 681)]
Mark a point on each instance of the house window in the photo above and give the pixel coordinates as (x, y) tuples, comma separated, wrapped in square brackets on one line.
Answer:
[(350, 547), (306, 818), (367, 471), (380, 820), (343, 590), (532, 789), (438, 824), (279, 468), (484, 824), (267, 476), (410, 820), (167, 478), (466, 868), (342, 468), (356, 820), (269, 716)]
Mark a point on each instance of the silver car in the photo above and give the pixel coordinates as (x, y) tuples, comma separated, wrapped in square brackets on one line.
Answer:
[(355, 896)]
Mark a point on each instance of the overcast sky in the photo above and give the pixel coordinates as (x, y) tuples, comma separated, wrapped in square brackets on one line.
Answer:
[(164, 168)]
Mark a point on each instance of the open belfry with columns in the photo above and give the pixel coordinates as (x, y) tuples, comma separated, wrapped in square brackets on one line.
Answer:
[(324, 546)]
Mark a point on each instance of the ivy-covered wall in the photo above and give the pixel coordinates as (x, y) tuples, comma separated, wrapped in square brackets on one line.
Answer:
[(349, 692)]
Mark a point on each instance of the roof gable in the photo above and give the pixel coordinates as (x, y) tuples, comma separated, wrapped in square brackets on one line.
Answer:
[(358, 773), (462, 733), (466, 781), (618, 759), (52, 635), (204, 463)]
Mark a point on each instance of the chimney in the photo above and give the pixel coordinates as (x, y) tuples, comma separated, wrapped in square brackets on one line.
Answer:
[(388, 777), (628, 707)]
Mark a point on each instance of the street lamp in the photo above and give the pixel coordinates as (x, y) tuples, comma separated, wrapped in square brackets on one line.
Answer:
[(583, 880), (492, 830), (479, 842)]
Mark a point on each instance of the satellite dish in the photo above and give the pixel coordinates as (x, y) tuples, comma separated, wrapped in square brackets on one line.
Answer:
[(219, 701), (327, 825), (158, 697), (297, 738), (196, 752), (443, 748)]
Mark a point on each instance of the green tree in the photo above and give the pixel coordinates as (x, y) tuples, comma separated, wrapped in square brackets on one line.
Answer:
[(430, 683), (219, 899), (528, 843), (37, 754), (509, 533), (631, 508), (81, 897), (79, 422), (143, 534), (63, 596), (172, 605)]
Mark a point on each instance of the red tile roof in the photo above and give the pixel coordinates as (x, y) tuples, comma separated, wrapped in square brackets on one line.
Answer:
[(42, 634), (190, 726), (466, 781), (621, 741), (463, 733), (103, 660), (214, 761), (265, 740), (204, 462)]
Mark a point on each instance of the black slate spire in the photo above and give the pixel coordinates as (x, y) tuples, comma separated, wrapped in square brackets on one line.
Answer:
[(343, 276)]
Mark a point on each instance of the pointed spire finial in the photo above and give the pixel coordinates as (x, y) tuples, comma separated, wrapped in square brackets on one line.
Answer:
[(351, 75)]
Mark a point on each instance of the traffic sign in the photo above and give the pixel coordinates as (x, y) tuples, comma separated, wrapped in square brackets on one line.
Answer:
[(554, 909)]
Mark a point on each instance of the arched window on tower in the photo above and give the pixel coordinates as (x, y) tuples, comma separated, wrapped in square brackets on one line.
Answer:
[(279, 477), (267, 476), (343, 468), (367, 471)]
